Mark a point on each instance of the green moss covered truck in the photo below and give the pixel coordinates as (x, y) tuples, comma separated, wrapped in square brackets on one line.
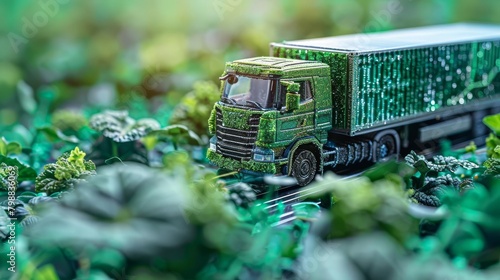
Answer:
[(340, 101)]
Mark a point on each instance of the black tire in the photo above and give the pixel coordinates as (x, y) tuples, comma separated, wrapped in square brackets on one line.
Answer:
[(304, 167), (386, 148)]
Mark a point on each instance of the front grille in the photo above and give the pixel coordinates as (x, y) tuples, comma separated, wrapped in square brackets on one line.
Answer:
[(235, 143)]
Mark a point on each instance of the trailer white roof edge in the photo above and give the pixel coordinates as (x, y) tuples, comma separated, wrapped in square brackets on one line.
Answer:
[(401, 39)]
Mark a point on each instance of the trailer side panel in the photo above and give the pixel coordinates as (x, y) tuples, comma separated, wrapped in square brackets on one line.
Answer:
[(391, 86)]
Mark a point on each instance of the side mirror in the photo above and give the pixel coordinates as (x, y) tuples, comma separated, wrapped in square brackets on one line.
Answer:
[(292, 96), (292, 101)]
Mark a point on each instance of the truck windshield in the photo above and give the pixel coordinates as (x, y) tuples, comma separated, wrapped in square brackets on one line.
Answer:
[(249, 91)]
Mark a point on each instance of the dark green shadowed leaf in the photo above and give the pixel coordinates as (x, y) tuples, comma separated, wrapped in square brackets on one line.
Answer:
[(25, 173)]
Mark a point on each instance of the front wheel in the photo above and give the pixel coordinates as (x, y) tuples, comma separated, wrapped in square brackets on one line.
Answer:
[(304, 167)]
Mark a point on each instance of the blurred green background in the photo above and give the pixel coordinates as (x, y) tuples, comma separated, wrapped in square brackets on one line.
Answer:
[(101, 52)]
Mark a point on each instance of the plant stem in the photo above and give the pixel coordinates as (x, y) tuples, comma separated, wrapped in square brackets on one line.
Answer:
[(114, 148)]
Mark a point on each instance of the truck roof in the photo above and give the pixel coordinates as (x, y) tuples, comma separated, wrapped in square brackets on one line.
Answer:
[(401, 39), (276, 65)]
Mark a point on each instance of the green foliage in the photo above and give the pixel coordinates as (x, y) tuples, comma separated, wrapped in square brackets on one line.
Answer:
[(4, 225), (128, 205), (7, 148), (241, 194), (119, 127), (434, 178), (493, 122), (492, 164), (491, 143), (438, 164), (24, 172), (68, 121), (69, 170), (54, 135), (133, 222), (473, 239), (194, 109), (362, 205), (177, 134)]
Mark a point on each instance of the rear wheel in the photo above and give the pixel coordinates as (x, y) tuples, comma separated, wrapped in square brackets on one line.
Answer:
[(304, 167), (386, 148)]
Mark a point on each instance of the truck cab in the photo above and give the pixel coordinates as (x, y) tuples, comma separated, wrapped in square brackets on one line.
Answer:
[(273, 117)]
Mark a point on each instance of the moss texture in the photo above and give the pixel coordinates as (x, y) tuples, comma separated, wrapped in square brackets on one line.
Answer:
[(267, 130), (292, 101), (212, 121), (231, 164), (235, 117)]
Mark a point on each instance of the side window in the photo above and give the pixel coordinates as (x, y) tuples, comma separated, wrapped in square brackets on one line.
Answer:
[(305, 92)]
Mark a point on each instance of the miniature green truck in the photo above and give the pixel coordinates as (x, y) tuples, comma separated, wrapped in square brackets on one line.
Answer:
[(340, 101)]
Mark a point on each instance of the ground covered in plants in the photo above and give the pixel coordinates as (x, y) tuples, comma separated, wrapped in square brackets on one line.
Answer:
[(103, 133), (113, 194)]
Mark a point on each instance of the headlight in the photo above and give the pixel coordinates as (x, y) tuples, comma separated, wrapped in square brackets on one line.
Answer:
[(263, 155), (213, 144)]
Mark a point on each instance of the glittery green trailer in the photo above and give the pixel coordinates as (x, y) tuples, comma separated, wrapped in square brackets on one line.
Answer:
[(383, 79)]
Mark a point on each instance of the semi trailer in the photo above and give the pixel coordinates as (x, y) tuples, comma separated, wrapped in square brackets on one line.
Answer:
[(340, 101)]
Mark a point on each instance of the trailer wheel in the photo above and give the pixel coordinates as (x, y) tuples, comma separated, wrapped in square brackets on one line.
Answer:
[(304, 167), (386, 148)]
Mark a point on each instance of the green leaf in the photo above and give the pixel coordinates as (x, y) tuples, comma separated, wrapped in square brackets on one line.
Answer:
[(3, 147), (381, 170), (26, 97), (26, 196), (14, 148), (55, 135), (25, 173), (179, 134), (7, 148), (108, 259), (493, 122), (22, 134), (118, 126)]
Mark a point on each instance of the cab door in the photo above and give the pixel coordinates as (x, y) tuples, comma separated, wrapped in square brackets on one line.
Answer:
[(301, 122)]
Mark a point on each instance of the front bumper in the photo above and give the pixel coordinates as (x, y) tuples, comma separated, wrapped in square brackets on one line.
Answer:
[(235, 165)]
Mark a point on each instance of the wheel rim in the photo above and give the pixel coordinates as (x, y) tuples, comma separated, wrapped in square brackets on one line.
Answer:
[(304, 167), (387, 147)]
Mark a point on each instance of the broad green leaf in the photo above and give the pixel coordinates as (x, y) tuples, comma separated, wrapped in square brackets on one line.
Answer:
[(14, 148), (7, 148), (178, 134), (493, 122), (3, 147), (55, 135), (26, 196)]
